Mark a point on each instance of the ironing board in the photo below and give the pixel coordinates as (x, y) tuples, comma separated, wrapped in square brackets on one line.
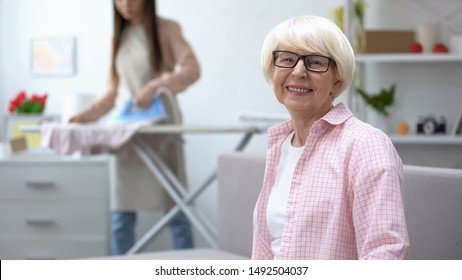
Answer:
[(182, 197), (177, 191)]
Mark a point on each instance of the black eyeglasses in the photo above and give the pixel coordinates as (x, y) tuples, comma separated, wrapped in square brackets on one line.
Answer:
[(313, 62)]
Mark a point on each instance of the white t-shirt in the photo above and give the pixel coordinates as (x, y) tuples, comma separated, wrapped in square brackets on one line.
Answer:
[(277, 203)]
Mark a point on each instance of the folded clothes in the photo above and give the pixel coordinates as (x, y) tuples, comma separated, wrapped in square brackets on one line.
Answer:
[(130, 114)]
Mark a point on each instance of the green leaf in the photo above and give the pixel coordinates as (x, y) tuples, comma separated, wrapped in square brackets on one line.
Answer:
[(30, 108), (35, 107), (381, 101)]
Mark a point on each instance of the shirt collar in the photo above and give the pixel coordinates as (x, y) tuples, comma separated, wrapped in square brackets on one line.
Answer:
[(338, 115)]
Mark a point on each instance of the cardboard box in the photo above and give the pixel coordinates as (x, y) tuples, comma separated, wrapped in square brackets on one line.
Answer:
[(387, 41)]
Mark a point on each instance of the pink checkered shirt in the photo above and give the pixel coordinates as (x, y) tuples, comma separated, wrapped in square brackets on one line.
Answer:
[(346, 196)]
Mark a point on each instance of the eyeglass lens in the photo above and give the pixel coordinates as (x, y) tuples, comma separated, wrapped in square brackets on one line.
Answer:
[(315, 63)]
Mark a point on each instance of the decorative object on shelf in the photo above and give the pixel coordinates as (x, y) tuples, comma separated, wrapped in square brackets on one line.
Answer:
[(23, 105), (426, 35), (455, 45), (415, 47), (430, 125), (377, 113), (356, 24), (402, 128), (440, 48), (458, 125), (381, 101), (386, 41), (53, 56)]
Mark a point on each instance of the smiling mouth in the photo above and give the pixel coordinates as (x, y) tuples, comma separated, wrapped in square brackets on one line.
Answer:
[(298, 90)]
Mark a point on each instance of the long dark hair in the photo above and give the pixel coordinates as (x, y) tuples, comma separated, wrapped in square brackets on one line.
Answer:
[(152, 33)]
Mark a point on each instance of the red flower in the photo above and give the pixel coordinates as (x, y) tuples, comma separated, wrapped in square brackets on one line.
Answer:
[(20, 104)]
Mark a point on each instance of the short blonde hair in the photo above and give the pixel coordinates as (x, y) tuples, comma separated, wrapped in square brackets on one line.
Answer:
[(312, 34)]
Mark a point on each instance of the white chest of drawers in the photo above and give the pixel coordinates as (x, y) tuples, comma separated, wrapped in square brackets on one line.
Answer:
[(54, 207)]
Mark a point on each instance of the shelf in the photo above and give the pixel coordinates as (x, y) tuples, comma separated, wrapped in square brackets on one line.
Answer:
[(427, 139), (408, 57)]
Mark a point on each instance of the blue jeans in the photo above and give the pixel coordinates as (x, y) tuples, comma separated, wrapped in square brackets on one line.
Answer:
[(123, 232)]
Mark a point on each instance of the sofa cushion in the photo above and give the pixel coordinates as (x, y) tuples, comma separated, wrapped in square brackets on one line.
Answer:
[(240, 177)]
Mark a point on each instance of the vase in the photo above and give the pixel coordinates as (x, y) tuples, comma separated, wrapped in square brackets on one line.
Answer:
[(425, 35), (378, 120)]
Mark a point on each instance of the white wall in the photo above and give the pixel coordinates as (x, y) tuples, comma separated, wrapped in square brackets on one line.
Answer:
[(89, 21)]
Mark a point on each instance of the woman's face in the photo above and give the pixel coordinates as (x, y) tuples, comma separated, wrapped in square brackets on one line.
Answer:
[(304, 91), (131, 10)]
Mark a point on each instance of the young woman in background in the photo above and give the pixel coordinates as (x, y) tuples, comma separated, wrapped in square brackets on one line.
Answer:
[(148, 53)]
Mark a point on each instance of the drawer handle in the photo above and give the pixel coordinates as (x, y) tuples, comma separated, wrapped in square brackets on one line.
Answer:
[(41, 221), (40, 184)]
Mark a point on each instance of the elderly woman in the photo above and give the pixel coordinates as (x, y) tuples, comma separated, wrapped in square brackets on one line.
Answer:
[(333, 186)]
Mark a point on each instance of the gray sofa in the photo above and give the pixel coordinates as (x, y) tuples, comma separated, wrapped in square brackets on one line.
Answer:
[(433, 204)]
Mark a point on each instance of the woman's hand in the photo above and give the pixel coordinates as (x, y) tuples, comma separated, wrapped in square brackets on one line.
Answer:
[(145, 95), (75, 119)]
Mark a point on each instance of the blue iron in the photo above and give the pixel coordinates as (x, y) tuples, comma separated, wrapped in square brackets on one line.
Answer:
[(130, 114)]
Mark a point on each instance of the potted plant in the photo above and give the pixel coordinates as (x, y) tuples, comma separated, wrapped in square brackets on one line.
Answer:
[(21, 104), (380, 101), (379, 104)]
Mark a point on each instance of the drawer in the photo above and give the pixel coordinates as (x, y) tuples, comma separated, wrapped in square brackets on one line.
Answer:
[(57, 180), (52, 248), (53, 219)]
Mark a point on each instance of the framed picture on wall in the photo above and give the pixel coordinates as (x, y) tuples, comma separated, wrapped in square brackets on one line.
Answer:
[(458, 125), (53, 56)]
